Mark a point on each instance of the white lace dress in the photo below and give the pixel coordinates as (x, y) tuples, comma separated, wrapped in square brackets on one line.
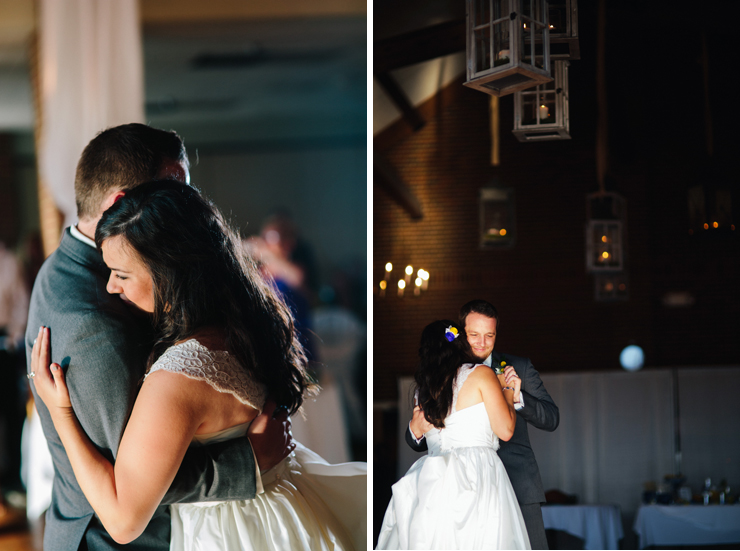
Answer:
[(306, 504), (458, 496)]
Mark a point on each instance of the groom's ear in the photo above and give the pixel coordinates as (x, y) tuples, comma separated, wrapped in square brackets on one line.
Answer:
[(111, 199)]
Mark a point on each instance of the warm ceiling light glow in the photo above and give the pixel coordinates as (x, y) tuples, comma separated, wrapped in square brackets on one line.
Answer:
[(401, 284), (425, 275), (732, 227), (383, 284), (388, 267), (603, 238), (715, 224), (706, 226), (418, 281), (502, 232), (409, 270), (609, 286), (622, 286), (420, 272), (605, 255)]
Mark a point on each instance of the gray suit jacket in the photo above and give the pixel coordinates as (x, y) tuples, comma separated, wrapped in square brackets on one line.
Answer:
[(102, 346), (517, 456)]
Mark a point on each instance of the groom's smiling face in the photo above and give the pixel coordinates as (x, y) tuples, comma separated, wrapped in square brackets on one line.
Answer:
[(481, 332)]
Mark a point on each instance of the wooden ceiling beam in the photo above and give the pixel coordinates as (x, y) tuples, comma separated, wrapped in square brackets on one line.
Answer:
[(418, 46), (386, 177)]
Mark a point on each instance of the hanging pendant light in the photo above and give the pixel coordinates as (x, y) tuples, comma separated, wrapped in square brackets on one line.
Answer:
[(541, 113), (508, 45)]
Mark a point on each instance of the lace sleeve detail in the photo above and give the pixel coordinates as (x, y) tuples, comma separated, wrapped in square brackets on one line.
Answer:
[(218, 368), (462, 374)]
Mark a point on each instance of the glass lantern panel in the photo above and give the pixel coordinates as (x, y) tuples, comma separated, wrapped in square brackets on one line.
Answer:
[(527, 8), (501, 44), (607, 246), (529, 109), (534, 10), (482, 12), (483, 49), (525, 46), (537, 36), (557, 14), (501, 9), (546, 108)]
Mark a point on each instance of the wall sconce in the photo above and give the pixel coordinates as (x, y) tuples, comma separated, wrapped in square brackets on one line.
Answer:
[(604, 232), (508, 45), (541, 113), (497, 217)]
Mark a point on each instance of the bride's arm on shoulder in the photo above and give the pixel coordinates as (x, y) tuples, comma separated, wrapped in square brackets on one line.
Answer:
[(167, 412), (499, 403)]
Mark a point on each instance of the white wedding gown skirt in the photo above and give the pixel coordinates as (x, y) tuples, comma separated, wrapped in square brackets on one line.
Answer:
[(458, 496), (307, 504)]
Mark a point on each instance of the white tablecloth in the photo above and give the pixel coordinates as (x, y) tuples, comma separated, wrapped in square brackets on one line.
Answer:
[(599, 526), (667, 525)]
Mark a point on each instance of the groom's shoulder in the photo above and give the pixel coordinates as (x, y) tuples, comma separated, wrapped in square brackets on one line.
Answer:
[(70, 297)]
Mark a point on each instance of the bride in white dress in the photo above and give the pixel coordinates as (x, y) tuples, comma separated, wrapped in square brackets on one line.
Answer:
[(458, 496), (225, 343)]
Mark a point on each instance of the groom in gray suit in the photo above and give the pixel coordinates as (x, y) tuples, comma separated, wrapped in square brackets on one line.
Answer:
[(102, 342), (480, 318)]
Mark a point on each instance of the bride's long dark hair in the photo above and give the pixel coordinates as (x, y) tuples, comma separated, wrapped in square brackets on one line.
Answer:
[(439, 359), (203, 278)]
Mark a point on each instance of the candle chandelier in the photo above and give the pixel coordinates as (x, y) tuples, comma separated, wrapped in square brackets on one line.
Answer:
[(407, 282)]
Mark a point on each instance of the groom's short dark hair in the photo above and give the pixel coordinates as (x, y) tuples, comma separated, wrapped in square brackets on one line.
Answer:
[(478, 306), (121, 158)]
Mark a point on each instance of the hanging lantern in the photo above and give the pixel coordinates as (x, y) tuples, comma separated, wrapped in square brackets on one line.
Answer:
[(563, 25), (497, 217), (604, 232), (541, 113), (508, 46)]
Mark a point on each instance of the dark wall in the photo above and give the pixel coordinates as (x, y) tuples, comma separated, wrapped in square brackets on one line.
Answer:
[(657, 151)]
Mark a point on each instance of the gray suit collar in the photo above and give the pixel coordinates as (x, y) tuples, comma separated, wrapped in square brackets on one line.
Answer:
[(81, 253)]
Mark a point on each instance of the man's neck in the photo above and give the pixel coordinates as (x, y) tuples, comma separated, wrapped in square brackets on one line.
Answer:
[(87, 228)]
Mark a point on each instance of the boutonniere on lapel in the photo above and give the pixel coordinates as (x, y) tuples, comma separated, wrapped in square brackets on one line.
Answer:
[(499, 369)]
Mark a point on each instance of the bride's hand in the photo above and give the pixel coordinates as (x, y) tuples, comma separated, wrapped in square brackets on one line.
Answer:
[(512, 379), (419, 424), (49, 380)]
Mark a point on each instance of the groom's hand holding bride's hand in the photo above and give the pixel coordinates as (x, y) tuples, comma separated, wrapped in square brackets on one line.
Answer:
[(270, 436), (419, 424), (512, 379), (48, 378)]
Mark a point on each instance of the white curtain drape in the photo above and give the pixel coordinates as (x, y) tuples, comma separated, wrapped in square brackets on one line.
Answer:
[(91, 78), (617, 432)]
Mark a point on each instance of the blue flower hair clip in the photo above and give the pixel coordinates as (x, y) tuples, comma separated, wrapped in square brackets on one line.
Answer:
[(451, 333)]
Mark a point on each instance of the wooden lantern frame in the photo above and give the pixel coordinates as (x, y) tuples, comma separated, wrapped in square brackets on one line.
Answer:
[(508, 45), (555, 95)]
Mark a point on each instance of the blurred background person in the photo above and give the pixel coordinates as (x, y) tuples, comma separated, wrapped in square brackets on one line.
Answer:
[(13, 317)]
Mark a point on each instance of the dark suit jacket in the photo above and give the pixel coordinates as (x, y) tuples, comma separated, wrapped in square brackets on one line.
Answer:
[(102, 345), (517, 456)]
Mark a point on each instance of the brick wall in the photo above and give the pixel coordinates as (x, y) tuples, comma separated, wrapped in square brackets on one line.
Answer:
[(540, 286)]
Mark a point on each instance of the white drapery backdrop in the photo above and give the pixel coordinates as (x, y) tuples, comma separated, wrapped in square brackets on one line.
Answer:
[(617, 432), (91, 77)]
